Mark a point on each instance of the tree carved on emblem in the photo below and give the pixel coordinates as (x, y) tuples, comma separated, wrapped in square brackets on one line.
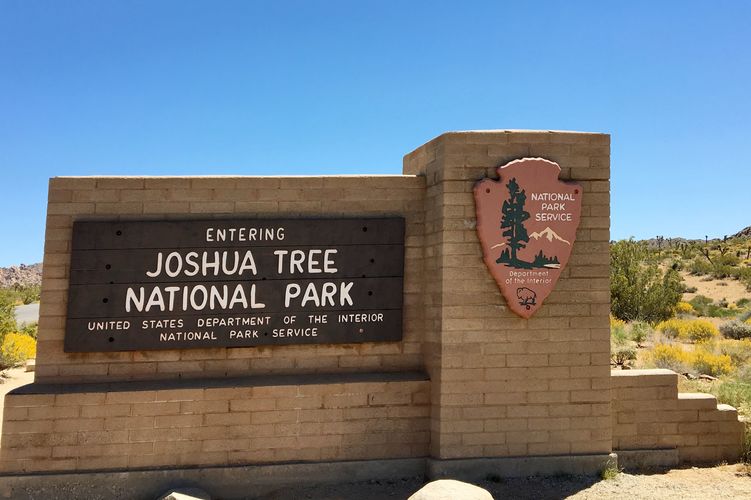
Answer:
[(513, 219)]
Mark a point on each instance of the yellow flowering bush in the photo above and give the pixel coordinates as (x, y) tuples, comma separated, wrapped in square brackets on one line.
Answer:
[(710, 363), (701, 360), (695, 330), (671, 327), (615, 322), (672, 357), (17, 348), (738, 350), (701, 330), (684, 308)]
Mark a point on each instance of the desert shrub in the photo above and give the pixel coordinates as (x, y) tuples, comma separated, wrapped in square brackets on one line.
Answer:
[(621, 348), (684, 308), (615, 322), (7, 315), (618, 333), (738, 350), (700, 330), (620, 354), (639, 290), (736, 330), (705, 307), (16, 348), (734, 393), (700, 266), (700, 300), (639, 332), (709, 363), (30, 329), (716, 311), (742, 302), (671, 327), (30, 294), (672, 357), (695, 330)]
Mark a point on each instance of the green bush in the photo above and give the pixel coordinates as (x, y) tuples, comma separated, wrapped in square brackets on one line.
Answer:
[(700, 266), (30, 294), (735, 393), (30, 329), (640, 331), (7, 314), (736, 330), (621, 349), (639, 290), (705, 307)]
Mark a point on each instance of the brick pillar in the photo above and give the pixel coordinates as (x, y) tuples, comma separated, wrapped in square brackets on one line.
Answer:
[(503, 386)]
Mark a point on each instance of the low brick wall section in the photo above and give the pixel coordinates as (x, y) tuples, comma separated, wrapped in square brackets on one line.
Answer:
[(649, 413), (226, 422)]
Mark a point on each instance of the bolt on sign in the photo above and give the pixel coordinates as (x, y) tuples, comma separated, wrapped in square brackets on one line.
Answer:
[(139, 285), (526, 222)]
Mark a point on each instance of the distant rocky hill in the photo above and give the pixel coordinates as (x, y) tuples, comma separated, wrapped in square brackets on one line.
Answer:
[(673, 242), (21, 275), (743, 233)]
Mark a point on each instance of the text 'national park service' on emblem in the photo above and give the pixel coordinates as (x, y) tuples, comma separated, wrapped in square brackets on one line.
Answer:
[(526, 222)]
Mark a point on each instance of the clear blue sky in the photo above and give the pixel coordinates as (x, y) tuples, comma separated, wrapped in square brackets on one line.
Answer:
[(327, 87)]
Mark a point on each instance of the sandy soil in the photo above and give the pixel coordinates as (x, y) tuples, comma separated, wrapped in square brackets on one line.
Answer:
[(727, 481), (729, 289)]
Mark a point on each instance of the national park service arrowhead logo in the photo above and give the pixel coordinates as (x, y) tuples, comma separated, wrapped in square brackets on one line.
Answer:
[(526, 222)]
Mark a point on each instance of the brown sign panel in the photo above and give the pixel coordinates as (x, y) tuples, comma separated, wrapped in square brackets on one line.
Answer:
[(526, 222), (141, 285)]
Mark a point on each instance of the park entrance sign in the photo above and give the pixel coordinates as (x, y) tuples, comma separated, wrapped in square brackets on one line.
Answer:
[(239, 331), (527, 222), (234, 283)]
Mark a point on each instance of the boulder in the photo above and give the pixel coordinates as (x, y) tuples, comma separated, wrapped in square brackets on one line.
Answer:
[(185, 494), (449, 489)]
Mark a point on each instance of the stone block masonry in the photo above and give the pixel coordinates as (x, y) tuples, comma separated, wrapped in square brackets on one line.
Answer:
[(504, 386), (219, 423), (650, 414), (470, 390)]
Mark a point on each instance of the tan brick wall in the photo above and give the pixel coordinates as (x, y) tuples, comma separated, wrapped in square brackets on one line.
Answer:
[(500, 385), (503, 385), (107, 428), (72, 198), (650, 413)]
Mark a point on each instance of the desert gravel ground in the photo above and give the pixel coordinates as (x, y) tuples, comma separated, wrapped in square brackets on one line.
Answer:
[(693, 483)]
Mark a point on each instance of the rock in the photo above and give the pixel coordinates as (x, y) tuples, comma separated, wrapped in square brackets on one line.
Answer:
[(185, 494), (22, 275), (449, 489), (689, 376), (743, 233)]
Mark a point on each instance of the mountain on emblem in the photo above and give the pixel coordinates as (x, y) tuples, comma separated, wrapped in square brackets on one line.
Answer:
[(527, 222), (549, 234)]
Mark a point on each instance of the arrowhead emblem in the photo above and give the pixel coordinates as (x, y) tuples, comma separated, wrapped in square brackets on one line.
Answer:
[(526, 222)]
